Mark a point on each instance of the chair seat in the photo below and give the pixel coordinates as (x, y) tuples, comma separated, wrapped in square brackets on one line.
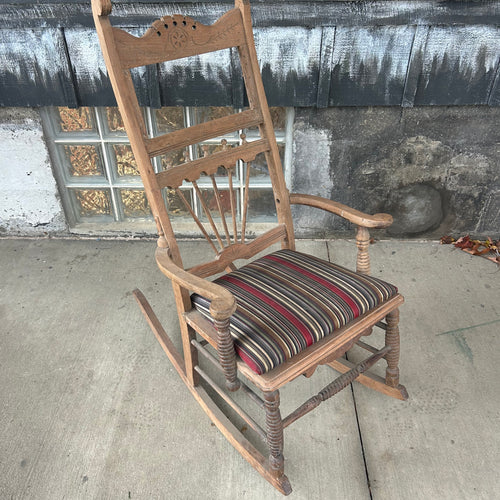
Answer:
[(287, 300)]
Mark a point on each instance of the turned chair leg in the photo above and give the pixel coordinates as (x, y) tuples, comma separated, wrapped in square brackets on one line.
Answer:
[(392, 357), (227, 356), (274, 427)]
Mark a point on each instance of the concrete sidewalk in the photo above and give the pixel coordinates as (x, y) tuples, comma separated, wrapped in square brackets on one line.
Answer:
[(91, 407)]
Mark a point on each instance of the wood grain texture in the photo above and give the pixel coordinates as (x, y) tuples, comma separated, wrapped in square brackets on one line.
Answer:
[(191, 171), (203, 131), (15, 14), (290, 63), (392, 341), (227, 354), (239, 251), (335, 387), (274, 427), (325, 66), (369, 65), (352, 215), (223, 303), (176, 37), (332, 345), (88, 67), (371, 380), (457, 65), (234, 436), (363, 244)]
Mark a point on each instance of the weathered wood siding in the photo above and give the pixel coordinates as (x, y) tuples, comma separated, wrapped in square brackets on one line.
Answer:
[(34, 68), (312, 53)]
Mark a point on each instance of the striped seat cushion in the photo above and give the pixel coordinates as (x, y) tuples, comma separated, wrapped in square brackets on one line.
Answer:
[(288, 300)]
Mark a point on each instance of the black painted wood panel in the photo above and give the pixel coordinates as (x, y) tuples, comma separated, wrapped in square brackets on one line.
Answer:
[(458, 65), (312, 53), (289, 59), (369, 65), (34, 68)]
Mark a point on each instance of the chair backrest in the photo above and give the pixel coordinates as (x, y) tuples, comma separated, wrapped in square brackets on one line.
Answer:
[(175, 37)]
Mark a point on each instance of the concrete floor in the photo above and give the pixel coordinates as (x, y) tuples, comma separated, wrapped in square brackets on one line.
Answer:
[(91, 407)]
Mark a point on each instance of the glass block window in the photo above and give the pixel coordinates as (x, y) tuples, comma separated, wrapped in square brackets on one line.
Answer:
[(99, 180)]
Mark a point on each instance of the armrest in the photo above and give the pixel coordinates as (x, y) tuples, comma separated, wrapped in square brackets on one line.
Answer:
[(352, 215), (223, 303)]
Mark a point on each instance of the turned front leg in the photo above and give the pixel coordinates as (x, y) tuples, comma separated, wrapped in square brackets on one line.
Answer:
[(227, 354), (392, 340), (274, 427), (363, 242)]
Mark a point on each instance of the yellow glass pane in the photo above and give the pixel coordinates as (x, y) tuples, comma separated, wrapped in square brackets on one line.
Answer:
[(172, 159), (209, 149), (278, 116), (75, 120), (207, 113), (93, 202), (224, 200), (169, 119), (125, 161), (258, 167), (176, 206), (83, 160), (135, 203), (114, 119)]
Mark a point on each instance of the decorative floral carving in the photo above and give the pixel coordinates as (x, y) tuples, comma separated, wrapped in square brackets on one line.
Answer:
[(178, 38)]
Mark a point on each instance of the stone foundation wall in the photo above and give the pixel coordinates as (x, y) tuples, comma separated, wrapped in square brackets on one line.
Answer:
[(435, 169)]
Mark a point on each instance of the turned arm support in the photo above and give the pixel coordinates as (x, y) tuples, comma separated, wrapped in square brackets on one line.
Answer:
[(222, 306), (362, 220)]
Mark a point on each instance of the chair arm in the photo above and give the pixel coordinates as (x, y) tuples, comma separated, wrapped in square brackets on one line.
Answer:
[(223, 303), (359, 218), (222, 306)]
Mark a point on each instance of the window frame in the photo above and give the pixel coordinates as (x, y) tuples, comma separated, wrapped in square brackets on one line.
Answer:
[(104, 139)]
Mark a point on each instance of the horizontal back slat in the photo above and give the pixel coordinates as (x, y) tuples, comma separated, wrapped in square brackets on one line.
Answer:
[(192, 170), (203, 131), (240, 251), (175, 37)]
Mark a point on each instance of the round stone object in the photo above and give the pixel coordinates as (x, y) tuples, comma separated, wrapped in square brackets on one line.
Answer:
[(416, 209)]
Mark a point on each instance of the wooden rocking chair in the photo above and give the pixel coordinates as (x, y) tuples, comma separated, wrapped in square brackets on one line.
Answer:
[(277, 317)]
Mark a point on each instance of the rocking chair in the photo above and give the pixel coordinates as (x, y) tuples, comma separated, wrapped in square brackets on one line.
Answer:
[(276, 317)]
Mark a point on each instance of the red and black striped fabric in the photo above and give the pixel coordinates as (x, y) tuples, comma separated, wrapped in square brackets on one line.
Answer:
[(288, 300)]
